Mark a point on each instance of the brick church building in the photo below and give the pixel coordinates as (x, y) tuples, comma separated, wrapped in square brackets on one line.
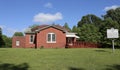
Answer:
[(47, 36)]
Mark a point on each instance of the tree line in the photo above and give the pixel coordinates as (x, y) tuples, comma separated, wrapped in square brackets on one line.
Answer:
[(5, 41), (90, 28)]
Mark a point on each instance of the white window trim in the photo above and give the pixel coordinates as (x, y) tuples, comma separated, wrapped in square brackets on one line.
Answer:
[(17, 43), (30, 39), (51, 38)]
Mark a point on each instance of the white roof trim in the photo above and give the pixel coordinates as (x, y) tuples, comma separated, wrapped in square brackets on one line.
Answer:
[(77, 37), (71, 35)]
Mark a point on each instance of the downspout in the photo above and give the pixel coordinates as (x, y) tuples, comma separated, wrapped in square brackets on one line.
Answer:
[(35, 40)]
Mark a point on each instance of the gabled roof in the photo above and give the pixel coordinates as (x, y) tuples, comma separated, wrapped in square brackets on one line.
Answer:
[(42, 27), (54, 26)]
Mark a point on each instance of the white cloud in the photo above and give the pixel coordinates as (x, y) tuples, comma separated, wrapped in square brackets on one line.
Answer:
[(2, 26), (47, 17), (111, 7), (11, 31), (48, 5), (8, 31)]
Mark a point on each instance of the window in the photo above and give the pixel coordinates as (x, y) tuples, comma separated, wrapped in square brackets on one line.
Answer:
[(17, 43), (31, 39), (51, 38)]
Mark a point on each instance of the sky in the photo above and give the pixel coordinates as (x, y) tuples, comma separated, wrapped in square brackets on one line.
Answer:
[(17, 15)]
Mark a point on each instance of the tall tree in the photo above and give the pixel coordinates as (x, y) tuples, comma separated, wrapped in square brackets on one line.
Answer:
[(18, 34), (34, 25), (67, 26), (8, 41), (2, 43), (111, 19), (113, 14), (107, 24), (90, 19), (90, 33), (76, 29)]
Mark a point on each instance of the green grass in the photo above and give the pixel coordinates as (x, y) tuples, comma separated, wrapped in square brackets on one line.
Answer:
[(59, 59)]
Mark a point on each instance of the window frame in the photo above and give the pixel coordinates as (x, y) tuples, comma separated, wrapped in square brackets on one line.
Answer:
[(31, 42), (51, 38), (17, 43)]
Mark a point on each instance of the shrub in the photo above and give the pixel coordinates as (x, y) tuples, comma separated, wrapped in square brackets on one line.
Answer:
[(57, 47), (41, 47)]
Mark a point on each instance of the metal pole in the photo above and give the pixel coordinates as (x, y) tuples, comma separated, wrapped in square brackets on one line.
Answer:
[(113, 45)]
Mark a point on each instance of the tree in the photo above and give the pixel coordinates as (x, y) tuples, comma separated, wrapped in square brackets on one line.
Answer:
[(90, 19), (34, 25), (107, 24), (76, 29), (90, 33), (67, 27), (89, 28), (111, 19), (113, 14), (2, 43), (94, 29), (7, 40), (18, 34)]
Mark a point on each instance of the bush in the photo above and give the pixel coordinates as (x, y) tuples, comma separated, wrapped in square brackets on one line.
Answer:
[(41, 47), (56, 47)]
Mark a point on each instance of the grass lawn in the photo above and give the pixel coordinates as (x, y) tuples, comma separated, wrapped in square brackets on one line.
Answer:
[(59, 59)]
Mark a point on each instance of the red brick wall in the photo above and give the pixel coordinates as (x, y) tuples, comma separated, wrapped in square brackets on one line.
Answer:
[(42, 38), (21, 39), (27, 40)]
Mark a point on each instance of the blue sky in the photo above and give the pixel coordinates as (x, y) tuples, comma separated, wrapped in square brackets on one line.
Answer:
[(17, 15)]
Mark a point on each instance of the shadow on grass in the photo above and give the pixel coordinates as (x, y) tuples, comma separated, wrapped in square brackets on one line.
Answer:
[(102, 51), (113, 67), (73, 68), (7, 66)]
